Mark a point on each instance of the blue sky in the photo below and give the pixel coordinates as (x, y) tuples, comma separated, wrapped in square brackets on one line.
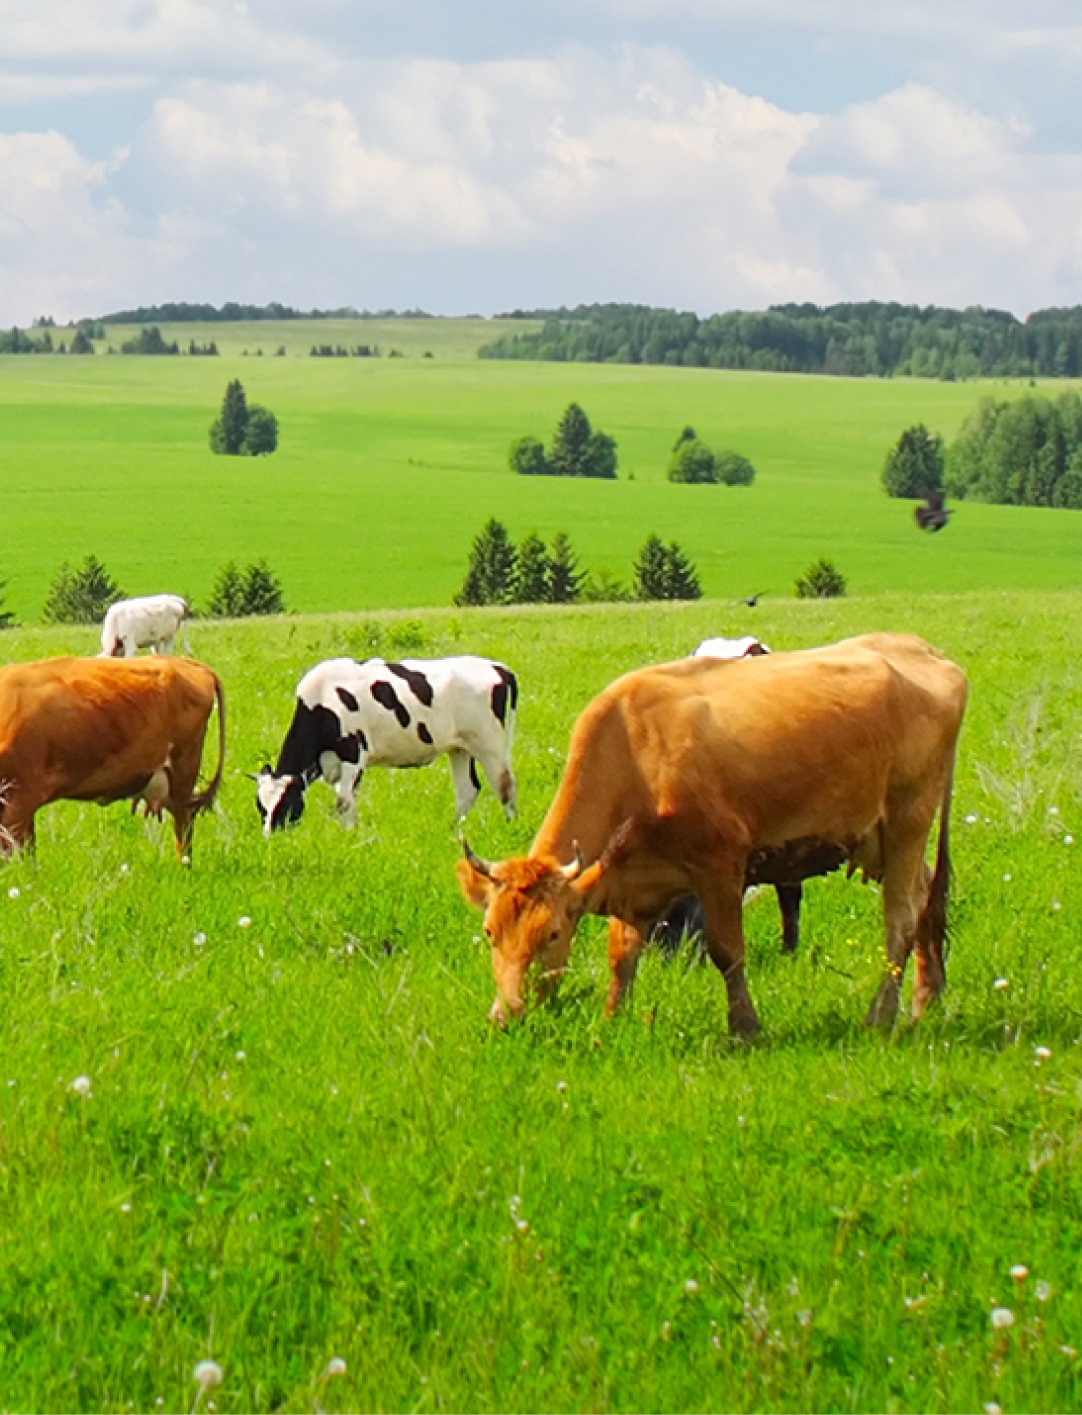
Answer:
[(487, 155)]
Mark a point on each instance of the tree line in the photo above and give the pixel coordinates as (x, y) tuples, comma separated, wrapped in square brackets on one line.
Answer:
[(1017, 452), (499, 572), (870, 338)]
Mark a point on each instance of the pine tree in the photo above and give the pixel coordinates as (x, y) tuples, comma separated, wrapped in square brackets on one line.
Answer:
[(227, 596), (682, 579), (650, 572), (914, 466), (565, 579), (532, 572), (81, 596), (228, 429), (570, 454), (490, 571), (261, 590)]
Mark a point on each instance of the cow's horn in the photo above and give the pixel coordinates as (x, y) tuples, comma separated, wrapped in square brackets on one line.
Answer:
[(574, 869), (483, 867)]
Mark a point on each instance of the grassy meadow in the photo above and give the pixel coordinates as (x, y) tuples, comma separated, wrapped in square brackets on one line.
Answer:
[(388, 467), (303, 1142), (252, 1112)]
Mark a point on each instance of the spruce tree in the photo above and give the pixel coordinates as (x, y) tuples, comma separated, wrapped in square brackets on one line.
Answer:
[(532, 572), (490, 570), (650, 572), (81, 595), (565, 579), (570, 453)]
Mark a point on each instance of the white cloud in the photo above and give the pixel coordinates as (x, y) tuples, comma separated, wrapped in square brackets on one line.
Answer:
[(625, 173)]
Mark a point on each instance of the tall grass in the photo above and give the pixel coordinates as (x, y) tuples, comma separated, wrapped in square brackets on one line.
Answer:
[(302, 1140)]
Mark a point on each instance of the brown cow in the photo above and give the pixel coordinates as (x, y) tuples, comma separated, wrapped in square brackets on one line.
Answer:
[(702, 776), (102, 729)]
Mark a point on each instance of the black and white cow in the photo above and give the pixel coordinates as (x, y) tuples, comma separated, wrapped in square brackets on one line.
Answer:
[(351, 715)]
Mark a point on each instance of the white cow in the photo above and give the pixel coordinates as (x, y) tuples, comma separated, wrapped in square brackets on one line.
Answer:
[(746, 647), (151, 622), (350, 715)]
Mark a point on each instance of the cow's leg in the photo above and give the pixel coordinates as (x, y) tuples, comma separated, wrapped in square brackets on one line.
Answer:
[(345, 790), (789, 896), (467, 782), (904, 892), (722, 900), (497, 769), (625, 947), (931, 975)]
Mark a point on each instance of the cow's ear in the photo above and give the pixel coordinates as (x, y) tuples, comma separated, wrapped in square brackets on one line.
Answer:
[(475, 886)]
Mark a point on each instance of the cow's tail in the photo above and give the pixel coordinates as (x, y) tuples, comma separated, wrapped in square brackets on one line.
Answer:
[(933, 929), (203, 800)]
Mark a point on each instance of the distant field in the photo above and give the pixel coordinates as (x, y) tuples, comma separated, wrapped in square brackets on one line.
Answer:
[(389, 466)]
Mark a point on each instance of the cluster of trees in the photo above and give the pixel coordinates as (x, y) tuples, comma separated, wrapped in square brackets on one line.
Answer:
[(499, 572), (854, 339), (693, 462), (81, 594), (576, 451), (1019, 452), (243, 429), (182, 312), (1022, 452), (18, 341)]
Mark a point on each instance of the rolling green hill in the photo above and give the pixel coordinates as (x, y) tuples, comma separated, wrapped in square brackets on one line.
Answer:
[(388, 466)]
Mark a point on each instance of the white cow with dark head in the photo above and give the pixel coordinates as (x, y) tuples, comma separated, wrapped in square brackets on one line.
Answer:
[(351, 715), (746, 647), (150, 622)]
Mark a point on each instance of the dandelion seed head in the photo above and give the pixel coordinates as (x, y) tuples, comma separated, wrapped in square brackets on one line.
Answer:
[(14, 892), (1002, 1318), (691, 1287), (1042, 1290), (335, 1367), (199, 939), (207, 1374), (1019, 1272), (972, 818), (81, 1085), (1068, 840), (244, 922), (1042, 1054)]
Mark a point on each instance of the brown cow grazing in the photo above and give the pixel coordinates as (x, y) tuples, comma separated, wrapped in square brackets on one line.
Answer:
[(104, 729), (703, 776)]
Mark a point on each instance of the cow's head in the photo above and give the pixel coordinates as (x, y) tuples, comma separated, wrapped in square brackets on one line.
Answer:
[(280, 799), (531, 907)]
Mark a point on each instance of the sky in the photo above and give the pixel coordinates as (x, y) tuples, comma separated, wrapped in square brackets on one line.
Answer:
[(489, 155)]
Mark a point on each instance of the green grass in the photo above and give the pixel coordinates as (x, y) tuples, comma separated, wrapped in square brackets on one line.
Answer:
[(303, 1140), (388, 468)]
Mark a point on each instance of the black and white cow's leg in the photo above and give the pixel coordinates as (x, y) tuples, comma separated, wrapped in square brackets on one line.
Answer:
[(343, 768), (467, 782), (497, 769)]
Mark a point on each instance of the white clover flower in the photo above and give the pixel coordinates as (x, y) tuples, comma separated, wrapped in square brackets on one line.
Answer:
[(992, 1407), (335, 1367), (691, 1287), (1068, 840), (241, 1055), (1002, 1318), (125, 869), (244, 922), (561, 1086), (81, 1085), (1007, 878), (199, 939), (972, 818), (1019, 1272), (14, 892), (207, 1374)]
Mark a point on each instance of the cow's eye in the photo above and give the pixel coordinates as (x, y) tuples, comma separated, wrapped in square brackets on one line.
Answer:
[(554, 935)]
